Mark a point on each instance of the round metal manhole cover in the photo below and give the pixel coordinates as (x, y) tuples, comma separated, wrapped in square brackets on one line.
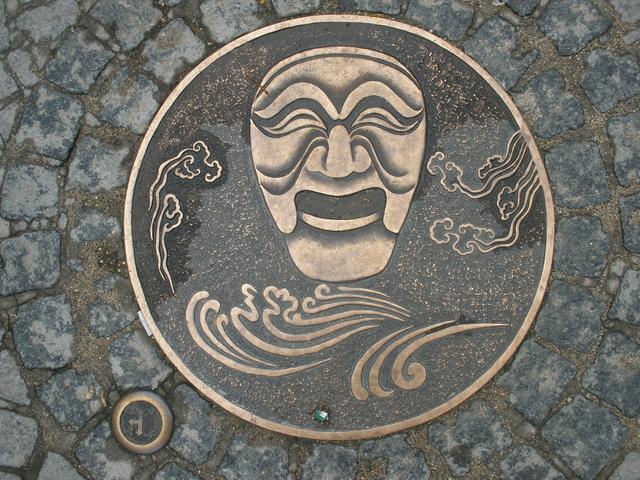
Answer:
[(339, 227)]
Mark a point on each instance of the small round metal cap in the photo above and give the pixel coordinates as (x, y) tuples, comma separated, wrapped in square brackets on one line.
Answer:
[(142, 422)]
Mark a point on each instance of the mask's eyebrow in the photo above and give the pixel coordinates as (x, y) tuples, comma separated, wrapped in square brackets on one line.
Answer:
[(295, 92), (379, 89)]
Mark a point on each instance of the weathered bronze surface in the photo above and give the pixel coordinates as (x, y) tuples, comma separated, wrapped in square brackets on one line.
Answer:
[(339, 213)]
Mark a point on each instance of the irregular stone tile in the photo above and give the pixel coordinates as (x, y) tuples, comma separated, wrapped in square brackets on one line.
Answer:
[(23, 65), (7, 83), (46, 22), (172, 471), (536, 379), (477, 434), (330, 462), (609, 79), (390, 7), (571, 24), (129, 102), (632, 37), (78, 62), (629, 10), (97, 166), (18, 437), (172, 3), (4, 32), (570, 317), (447, 18), (403, 461), (526, 463), (93, 225), (195, 435), (625, 133), (257, 463), (552, 109), (584, 435), (615, 374), (227, 20), (135, 362), (51, 121), (285, 8), (103, 457), (172, 50), (12, 386), (8, 476), (56, 467), (523, 7), (43, 332), (31, 261), (7, 117), (131, 20), (578, 175), (629, 469), (28, 192), (104, 320), (626, 306), (581, 246), (72, 398), (630, 213)]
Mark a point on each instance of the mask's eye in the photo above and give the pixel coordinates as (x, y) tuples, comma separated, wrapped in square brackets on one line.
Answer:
[(383, 119), (298, 119)]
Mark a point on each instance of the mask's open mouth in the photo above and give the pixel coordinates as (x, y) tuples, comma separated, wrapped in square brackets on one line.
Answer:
[(341, 213)]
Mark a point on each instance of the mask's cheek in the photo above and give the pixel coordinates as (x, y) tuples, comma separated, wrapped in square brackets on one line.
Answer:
[(283, 209)]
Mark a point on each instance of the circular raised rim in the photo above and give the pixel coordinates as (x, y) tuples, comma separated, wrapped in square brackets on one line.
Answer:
[(166, 417), (392, 427)]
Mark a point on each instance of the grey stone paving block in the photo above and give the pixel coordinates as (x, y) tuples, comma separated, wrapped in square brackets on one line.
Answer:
[(447, 18), (101, 455), (97, 166), (7, 83), (581, 246), (18, 437), (9, 476), (630, 213), (632, 37), (7, 117), (390, 7), (615, 374), (43, 332), (330, 462), (78, 62), (629, 469), (72, 398), (46, 22), (29, 191), (552, 109), (172, 3), (135, 362), (625, 133), (242, 461), (93, 225), (609, 79), (131, 20), (23, 65), (105, 320), (523, 7), (477, 435), (285, 8), (227, 20), (195, 435), (493, 46), (584, 435), (570, 317), (172, 471), (626, 306), (56, 467), (577, 174), (51, 121), (526, 463), (4, 32), (129, 102), (629, 10), (12, 386), (571, 24), (536, 380), (172, 50), (403, 461), (31, 261)]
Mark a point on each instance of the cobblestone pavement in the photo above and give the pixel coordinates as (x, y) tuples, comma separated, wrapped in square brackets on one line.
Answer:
[(79, 83)]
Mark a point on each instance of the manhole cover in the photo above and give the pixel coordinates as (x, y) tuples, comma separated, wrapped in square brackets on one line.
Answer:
[(339, 227)]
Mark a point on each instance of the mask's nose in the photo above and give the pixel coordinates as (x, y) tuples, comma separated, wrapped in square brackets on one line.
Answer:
[(340, 160)]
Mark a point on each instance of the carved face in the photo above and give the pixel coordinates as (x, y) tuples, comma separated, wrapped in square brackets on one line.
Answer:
[(338, 138)]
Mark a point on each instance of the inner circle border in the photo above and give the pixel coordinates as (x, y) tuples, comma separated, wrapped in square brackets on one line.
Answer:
[(392, 427)]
